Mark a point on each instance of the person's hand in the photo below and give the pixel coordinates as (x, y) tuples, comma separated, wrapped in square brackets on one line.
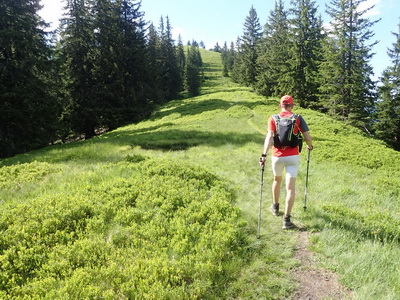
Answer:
[(262, 161), (310, 147)]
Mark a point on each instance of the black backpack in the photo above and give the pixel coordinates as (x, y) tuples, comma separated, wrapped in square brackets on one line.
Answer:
[(285, 136)]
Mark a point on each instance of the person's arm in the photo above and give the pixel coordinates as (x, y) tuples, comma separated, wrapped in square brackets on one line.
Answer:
[(308, 139), (269, 141)]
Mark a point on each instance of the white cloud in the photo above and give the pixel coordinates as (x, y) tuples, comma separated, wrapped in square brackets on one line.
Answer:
[(176, 31), (375, 11), (369, 3)]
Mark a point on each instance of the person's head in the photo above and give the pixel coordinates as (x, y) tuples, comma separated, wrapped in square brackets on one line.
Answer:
[(286, 102)]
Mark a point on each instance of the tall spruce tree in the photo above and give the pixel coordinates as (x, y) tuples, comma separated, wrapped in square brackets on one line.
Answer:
[(181, 59), (121, 67), (107, 64), (346, 87), (306, 33), (245, 63), (388, 108), (231, 56), (225, 60), (193, 70), (29, 111), (77, 51), (155, 67), (105, 58), (138, 87), (275, 53), (217, 48), (228, 56), (171, 80)]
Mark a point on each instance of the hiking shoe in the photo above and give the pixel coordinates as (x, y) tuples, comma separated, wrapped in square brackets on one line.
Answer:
[(275, 209), (287, 224)]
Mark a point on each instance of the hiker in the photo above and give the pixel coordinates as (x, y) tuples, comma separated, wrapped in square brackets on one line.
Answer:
[(286, 156)]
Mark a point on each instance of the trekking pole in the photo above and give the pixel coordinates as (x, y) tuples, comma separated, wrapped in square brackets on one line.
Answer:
[(305, 193), (259, 208)]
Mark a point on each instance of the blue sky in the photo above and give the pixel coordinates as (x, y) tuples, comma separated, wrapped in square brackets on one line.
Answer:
[(213, 21)]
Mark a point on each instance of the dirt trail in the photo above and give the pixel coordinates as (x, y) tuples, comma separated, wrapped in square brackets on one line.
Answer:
[(315, 282)]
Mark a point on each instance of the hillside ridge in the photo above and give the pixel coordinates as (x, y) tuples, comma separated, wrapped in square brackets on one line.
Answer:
[(191, 151)]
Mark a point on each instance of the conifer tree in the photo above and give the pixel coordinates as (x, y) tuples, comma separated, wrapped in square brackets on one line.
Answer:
[(181, 59), (198, 61), (245, 63), (137, 85), (77, 53), (237, 62), (217, 48), (193, 70), (225, 60), (345, 78), (108, 92), (29, 110), (231, 56), (275, 53), (155, 68), (387, 125), (105, 58), (171, 81), (228, 56), (306, 33)]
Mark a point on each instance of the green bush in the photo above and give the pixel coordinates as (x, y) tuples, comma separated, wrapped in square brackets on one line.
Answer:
[(165, 231), (11, 177)]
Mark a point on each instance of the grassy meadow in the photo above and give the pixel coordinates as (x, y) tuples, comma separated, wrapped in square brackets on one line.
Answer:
[(167, 208)]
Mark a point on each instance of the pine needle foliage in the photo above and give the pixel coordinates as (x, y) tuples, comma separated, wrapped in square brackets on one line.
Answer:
[(244, 67), (346, 87), (388, 108), (28, 104), (307, 33)]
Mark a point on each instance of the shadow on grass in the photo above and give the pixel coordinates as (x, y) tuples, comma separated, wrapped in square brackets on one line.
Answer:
[(153, 137), (100, 149), (195, 108), (175, 139), (157, 137)]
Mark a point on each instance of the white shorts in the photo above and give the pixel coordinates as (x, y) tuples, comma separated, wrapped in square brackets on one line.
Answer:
[(291, 163)]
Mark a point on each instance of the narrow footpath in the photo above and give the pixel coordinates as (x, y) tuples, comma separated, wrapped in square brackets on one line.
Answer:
[(314, 282)]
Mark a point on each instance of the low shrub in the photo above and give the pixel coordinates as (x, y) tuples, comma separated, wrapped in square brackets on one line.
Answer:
[(11, 177), (165, 231)]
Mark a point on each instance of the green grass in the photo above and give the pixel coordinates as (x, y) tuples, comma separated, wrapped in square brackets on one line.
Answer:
[(95, 205)]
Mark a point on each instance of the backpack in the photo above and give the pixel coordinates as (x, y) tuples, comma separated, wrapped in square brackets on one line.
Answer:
[(285, 132)]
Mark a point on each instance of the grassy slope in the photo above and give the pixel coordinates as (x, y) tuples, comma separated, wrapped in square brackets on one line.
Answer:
[(352, 198)]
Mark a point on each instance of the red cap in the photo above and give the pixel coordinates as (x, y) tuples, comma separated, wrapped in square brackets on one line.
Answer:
[(285, 100)]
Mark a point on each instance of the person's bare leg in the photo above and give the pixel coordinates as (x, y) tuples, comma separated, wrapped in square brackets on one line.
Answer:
[(290, 194), (276, 189)]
